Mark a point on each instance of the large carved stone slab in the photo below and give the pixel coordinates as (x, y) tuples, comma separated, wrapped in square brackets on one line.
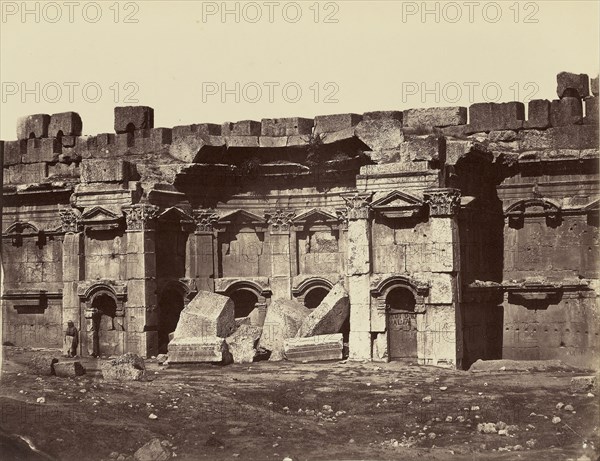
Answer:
[(282, 321), (315, 348), (208, 314), (198, 349), (242, 343), (329, 316)]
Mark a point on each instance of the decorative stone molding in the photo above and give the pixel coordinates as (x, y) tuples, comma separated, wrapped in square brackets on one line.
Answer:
[(140, 217), (205, 220), (342, 216), (357, 205), (31, 301), (280, 220), (382, 284), (259, 285), (88, 290), (442, 202), (537, 207), (69, 219)]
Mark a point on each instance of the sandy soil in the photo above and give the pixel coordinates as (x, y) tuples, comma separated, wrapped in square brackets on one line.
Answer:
[(259, 412)]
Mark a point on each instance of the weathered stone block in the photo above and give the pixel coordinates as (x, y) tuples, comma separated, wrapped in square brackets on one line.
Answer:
[(13, 150), (360, 345), (68, 369), (358, 262), (241, 128), (383, 115), (591, 110), (242, 141), (127, 367), (435, 116), (572, 85), (329, 316), (208, 314), (161, 136), (269, 141), (574, 137), (489, 116), (130, 118), (538, 114), (336, 136), (198, 349), (25, 173), (380, 134), (186, 148), (202, 129), (65, 123), (98, 170), (152, 451), (41, 150), (427, 148), (314, 348), (33, 126), (594, 86), (338, 122), (584, 384), (283, 320), (290, 126), (442, 291), (566, 111), (242, 343)]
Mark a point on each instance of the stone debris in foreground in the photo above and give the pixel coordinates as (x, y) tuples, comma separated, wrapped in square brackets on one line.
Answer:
[(242, 343), (518, 365), (584, 384), (329, 316), (314, 348), (127, 367), (198, 349), (68, 369), (208, 314), (152, 451), (282, 321)]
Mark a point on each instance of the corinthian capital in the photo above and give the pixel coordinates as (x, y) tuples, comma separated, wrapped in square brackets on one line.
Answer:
[(357, 205), (442, 202), (140, 217)]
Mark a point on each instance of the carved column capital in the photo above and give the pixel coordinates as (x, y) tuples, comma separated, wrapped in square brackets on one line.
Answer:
[(280, 220), (357, 205), (442, 202), (342, 216), (140, 217), (69, 219), (205, 220)]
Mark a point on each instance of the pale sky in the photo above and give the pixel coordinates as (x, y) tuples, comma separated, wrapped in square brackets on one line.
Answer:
[(377, 56)]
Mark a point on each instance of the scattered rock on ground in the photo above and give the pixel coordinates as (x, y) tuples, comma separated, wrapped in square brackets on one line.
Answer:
[(152, 451), (127, 367)]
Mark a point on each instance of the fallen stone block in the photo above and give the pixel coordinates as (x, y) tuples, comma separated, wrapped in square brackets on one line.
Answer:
[(584, 384), (519, 365), (208, 314), (65, 123), (68, 369), (42, 363), (314, 348), (380, 134), (572, 85), (130, 118), (283, 320), (198, 350), (152, 451), (162, 358), (127, 367), (329, 316), (242, 343), (435, 116), (490, 116), (338, 122), (33, 126), (566, 111)]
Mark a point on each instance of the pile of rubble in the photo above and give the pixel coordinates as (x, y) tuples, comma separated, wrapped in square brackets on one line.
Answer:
[(207, 331)]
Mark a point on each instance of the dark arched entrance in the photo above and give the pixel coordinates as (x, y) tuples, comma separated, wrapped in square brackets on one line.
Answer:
[(244, 302), (170, 306), (402, 324), (314, 297), (105, 335)]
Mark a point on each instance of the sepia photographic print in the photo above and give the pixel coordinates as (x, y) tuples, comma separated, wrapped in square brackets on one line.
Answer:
[(299, 230)]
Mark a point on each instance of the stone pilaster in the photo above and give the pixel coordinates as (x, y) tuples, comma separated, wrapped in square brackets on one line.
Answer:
[(203, 250), (358, 268), (141, 312), (440, 341), (73, 268), (280, 223)]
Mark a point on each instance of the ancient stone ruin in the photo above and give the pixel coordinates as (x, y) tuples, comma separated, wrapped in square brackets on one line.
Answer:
[(450, 234)]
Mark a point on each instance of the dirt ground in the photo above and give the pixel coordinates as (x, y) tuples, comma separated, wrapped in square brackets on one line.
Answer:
[(270, 411)]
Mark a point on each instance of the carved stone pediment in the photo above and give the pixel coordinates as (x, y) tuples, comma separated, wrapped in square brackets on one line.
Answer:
[(398, 204), (242, 218), (99, 218)]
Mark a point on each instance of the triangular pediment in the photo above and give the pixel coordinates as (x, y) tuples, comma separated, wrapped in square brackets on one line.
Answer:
[(315, 215), (98, 213), (397, 199), (242, 217), (174, 214)]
